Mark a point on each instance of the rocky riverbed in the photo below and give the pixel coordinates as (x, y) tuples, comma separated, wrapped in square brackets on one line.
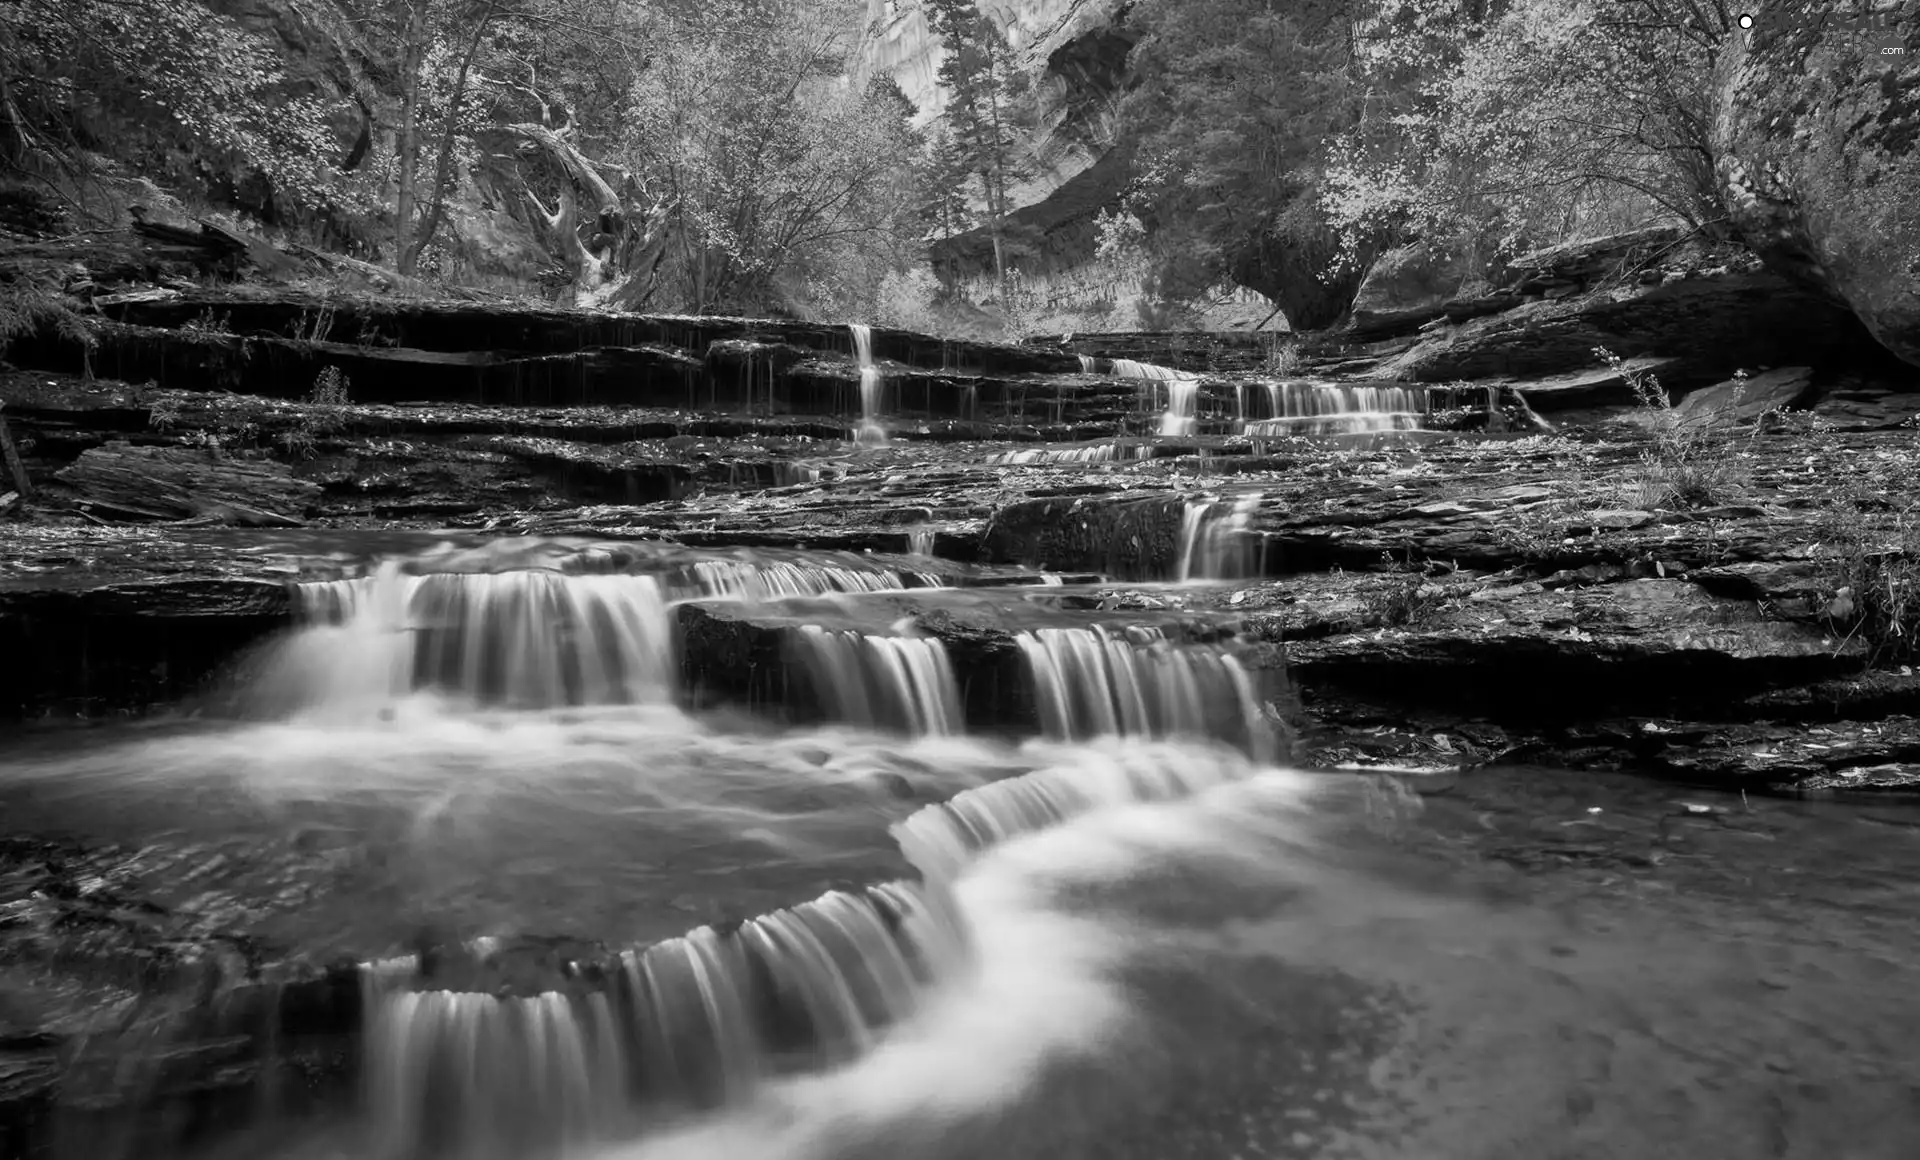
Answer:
[(1428, 555)]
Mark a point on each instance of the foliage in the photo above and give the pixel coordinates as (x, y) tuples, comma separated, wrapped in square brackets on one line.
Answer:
[(80, 73), (331, 388), (1225, 123), (28, 308), (1529, 121), (776, 174), (1690, 464), (1870, 535)]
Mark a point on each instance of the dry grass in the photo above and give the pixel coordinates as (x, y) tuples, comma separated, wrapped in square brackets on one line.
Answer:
[(1689, 465)]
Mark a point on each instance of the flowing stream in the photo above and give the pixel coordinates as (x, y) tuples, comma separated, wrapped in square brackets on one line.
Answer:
[(593, 920)]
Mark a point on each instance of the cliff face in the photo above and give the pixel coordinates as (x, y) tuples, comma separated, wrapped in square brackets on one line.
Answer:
[(1076, 50)]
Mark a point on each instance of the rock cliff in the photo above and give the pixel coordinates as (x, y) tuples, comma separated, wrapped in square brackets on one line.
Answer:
[(1076, 51), (1815, 132)]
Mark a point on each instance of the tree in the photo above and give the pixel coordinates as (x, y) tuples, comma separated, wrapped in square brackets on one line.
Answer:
[(1533, 120), (157, 79), (771, 168), (986, 113), (1225, 124)]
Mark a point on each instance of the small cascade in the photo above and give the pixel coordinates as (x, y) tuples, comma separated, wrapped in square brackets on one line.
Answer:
[(944, 837), (889, 682), (1183, 393), (871, 433), (1095, 453), (524, 639), (1215, 539), (1303, 408), (518, 639), (1091, 682), (920, 541), (780, 580), (1087, 364), (1183, 401), (687, 1024)]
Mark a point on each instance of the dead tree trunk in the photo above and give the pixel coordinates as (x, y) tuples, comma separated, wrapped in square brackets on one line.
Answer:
[(613, 245)]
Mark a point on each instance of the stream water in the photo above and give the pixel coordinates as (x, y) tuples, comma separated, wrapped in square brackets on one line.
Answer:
[(1134, 932)]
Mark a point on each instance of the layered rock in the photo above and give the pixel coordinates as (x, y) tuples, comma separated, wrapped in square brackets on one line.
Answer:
[(1815, 130)]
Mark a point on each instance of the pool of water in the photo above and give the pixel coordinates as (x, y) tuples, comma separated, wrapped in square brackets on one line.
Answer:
[(1507, 962)]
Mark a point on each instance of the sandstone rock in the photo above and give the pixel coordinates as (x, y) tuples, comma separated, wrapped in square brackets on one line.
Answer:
[(1405, 288), (1868, 410), (1707, 325), (1583, 261), (1741, 400), (1815, 134)]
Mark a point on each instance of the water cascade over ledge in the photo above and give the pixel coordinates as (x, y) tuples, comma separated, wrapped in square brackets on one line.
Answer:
[(872, 383)]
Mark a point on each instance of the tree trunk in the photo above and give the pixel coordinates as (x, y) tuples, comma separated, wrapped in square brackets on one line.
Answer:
[(413, 58), (623, 270), (443, 165)]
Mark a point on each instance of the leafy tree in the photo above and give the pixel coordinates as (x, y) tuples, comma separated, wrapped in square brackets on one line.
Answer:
[(1501, 127), (1233, 99), (770, 168), (163, 80)]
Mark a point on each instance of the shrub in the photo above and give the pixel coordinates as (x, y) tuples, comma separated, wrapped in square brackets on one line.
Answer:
[(1690, 464)]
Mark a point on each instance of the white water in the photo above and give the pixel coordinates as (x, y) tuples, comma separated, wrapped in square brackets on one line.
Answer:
[(519, 639), (889, 682), (1094, 453), (1087, 364), (1183, 393), (1307, 408), (1039, 987), (1090, 682), (1215, 539), (872, 433)]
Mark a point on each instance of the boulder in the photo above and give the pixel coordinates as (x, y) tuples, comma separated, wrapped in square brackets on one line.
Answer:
[(1814, 131), (1406, 287), (1742, 400)]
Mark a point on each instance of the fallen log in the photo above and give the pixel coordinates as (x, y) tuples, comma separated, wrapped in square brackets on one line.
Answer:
[(121, 481)]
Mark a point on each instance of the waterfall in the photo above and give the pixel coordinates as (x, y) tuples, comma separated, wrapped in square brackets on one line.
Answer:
[(1303, 408), (522, 639), (634, 1041), (1090, 682), (896, 682), (1087, 364), (920, 541), (1214, 539), (1183, 393), (1093, 453), (871, 431), (686, 1024)]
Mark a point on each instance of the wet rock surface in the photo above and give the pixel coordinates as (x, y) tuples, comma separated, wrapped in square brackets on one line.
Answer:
[(1432, 600)]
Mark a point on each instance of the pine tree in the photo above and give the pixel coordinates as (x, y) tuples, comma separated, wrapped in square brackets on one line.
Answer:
[(987, 109)]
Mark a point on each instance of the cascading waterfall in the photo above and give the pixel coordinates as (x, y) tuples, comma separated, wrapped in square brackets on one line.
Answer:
[(1215, 539), (1087, 364), (1090, 682), (1304, 408), (920, 541), (625, 1045), (1183, 393), (684, 1025), (1096, 453), (871, 431), (891, 682), (523, 639)]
